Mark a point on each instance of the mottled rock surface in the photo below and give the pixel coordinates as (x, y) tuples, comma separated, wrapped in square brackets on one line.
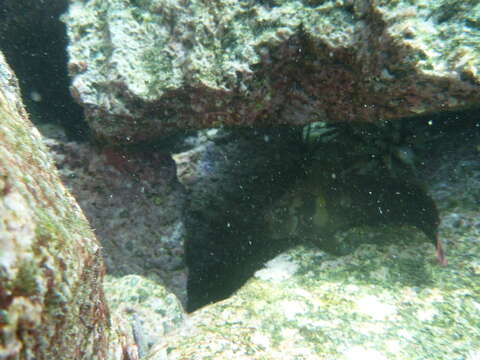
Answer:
[(379, 303), (133, 200), (51, 269), (145, 67), (142, 312)]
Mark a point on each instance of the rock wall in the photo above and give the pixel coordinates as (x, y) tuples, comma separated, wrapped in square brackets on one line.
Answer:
[(51, 269)]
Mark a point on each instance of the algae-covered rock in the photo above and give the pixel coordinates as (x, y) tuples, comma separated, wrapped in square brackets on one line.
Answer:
[(142, 68), (142, 312), (381, 302), (51, 296)]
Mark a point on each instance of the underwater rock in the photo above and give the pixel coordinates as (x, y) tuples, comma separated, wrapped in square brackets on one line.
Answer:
[(230, 233), (144, 68), (133, 200), (143, 312), (308, 304), (51, 269)]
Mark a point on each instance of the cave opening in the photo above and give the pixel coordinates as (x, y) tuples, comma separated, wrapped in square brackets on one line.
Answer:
[(227, 243)]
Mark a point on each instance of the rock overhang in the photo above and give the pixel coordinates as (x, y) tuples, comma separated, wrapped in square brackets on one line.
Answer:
[(144, 69)]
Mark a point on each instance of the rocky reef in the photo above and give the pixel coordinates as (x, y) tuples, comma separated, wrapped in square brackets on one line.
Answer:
[(132, 198), (241, 212), (285, 170)]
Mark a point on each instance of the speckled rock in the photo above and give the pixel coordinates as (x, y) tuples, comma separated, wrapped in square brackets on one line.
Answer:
[(134, 202), (389, 302), (51, 269), (145, 67), (142, 312)]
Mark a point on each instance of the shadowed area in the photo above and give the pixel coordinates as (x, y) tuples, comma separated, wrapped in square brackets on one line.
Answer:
[(34, 42)]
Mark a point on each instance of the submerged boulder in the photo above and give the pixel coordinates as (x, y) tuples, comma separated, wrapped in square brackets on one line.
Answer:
[(143, 312), (51, 269), (143, 68), (132, 199), (380, 302)]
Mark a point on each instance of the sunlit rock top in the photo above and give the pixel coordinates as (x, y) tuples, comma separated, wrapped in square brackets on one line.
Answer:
[(142, 68)]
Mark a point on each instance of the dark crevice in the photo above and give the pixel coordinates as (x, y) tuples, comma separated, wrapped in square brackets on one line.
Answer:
[(227, 237), (34, 42)]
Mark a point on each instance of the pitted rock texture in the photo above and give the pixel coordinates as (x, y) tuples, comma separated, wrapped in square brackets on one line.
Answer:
[(133, 201), (145, 67), (143, 312), (51, 270)]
